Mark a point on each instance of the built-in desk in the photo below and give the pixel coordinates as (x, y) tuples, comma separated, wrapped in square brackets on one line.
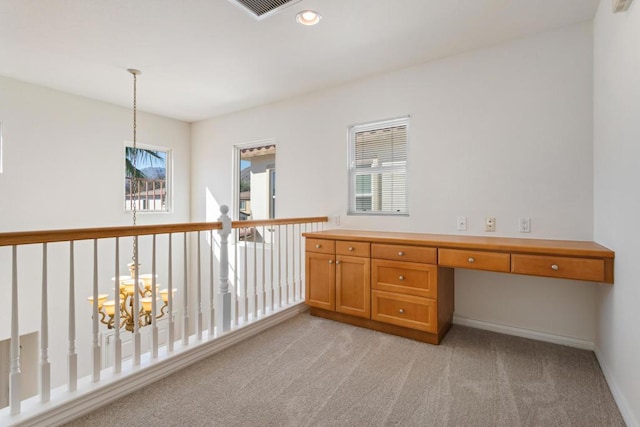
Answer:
[(402, 283)]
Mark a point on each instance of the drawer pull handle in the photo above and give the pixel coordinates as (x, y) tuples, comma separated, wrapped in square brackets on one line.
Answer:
[(400, 253), (337, 262), (318, 246), (401, 311), (401, 278), (330, 261), (471, 260), (351, 248), (555, 267)]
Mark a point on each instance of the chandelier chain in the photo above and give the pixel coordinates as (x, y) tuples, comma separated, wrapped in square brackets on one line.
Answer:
[(135, 181)]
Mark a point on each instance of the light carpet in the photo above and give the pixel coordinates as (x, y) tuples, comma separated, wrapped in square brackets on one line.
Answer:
[(309, 371)]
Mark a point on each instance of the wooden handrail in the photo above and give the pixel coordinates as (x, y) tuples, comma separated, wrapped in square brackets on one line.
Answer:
[(282, 221), (50, 236)]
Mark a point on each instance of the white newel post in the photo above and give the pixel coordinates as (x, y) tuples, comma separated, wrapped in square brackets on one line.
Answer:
[(14, 379), (224, 307)]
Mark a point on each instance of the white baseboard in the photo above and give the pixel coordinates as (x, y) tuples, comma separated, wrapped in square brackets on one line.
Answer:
[(623, 404), (524, 333), (66, 406)]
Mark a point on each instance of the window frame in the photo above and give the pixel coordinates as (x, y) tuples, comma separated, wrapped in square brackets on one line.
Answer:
[(168, 179), (353, 193)]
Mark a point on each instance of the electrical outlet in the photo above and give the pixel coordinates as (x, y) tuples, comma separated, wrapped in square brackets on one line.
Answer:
[(490, 223), (525, 224), (462, 223), (336, 220)]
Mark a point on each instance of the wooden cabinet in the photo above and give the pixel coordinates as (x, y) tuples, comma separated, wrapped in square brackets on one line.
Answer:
[(402, 283), (397, 289), (338, 283)]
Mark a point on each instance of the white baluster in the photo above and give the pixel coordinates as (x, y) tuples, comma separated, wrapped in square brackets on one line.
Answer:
[(255, 274), (245, 278), (117, 367), (45, 366), (293, 262), (72, 358), (212, 312), (264, 287), (154, 304), (272, 235), (136, 305), (199, 293), (294, 267), (287, 284), (236, 304), (95, 324), (225, 295), (298, 270), (185, 301), (279, 267), (14, 370), (171, 331)]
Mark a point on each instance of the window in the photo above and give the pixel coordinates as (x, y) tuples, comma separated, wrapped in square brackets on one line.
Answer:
[(378, 168), (147, 172)]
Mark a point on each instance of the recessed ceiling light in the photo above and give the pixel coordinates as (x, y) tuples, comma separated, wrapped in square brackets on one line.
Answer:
[(308, 17)]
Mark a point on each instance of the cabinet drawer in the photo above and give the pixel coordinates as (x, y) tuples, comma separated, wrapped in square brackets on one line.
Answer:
[(404, 310), (353, 248), (557, 266), (477, 260), (321, 246), (405, 278), (405, 253)]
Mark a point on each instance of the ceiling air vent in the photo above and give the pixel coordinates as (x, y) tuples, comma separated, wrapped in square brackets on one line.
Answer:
[(262, 8), (621, 5)]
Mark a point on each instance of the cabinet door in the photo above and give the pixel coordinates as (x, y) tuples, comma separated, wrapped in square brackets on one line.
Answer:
[(320, 281), (353, 286)]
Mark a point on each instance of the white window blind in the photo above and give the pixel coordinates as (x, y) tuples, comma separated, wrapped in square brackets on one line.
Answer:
[(378, 167)]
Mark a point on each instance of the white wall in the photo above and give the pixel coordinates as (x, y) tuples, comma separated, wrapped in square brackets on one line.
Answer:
[(617, 198), (504, 131), (59, 148), (68, 152)]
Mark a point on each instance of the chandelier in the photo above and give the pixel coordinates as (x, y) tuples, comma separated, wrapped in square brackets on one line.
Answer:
[(107, 309), (127, 284)]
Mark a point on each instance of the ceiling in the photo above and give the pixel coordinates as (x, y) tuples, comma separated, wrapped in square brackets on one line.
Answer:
[(204, 58)]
